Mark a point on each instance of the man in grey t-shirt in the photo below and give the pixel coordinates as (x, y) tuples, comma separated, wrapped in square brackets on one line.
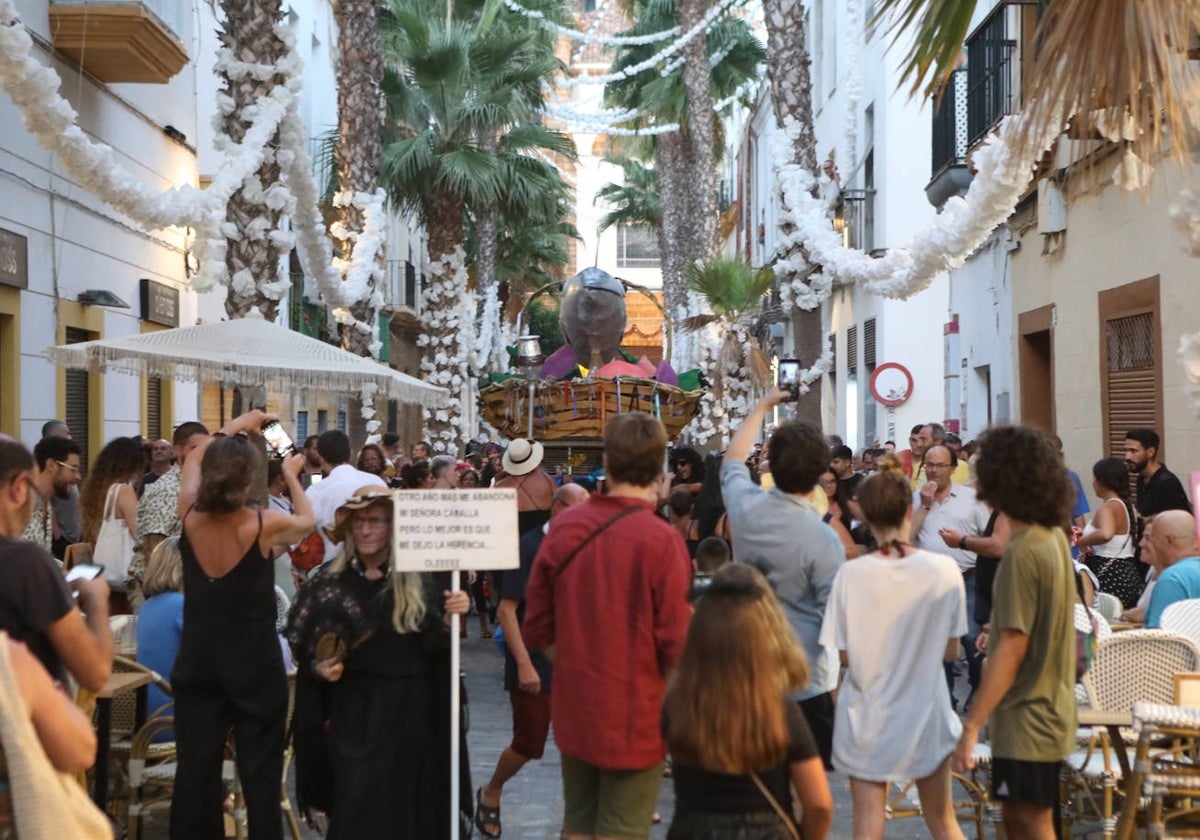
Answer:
[(781, 534)]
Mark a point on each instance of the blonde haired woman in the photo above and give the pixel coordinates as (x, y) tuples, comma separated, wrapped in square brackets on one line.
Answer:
[(743, 755), (160, 623), (374, 650)]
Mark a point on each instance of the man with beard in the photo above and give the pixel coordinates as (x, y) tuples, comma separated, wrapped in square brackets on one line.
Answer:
[(1158, 489), (57, 461)]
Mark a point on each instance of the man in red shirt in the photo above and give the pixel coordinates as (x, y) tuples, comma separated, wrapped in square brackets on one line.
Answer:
[(607, 600)]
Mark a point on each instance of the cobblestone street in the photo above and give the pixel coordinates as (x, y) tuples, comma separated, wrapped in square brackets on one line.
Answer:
[(532, 806)]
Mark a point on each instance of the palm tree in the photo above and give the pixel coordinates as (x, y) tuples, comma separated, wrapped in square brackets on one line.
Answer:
[(357, 147), (447, 85), (788, 68), (253, 256), (732, 291), (1119, 57), (685, 160)]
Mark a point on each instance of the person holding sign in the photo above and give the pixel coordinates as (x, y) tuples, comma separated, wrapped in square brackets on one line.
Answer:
[(607, 598), (377, 642)]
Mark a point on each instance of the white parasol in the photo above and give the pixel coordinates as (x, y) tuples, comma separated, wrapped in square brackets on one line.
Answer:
[(250, 351)]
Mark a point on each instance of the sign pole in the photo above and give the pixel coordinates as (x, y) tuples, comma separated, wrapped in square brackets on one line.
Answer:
[(455, 699)]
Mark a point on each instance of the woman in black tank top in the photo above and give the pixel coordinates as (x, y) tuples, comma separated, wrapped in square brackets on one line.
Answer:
[(228, 674)]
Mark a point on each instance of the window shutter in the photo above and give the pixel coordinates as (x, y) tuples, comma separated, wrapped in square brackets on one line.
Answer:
[(78, 398), (154, 429), (1132, 377), (852, 350), (869, 343)]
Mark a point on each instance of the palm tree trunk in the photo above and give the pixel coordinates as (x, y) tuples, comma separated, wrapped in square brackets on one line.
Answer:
[(448, 313), (487, 234), (252, 258), (699, 134), (358, 148), (789, 71)]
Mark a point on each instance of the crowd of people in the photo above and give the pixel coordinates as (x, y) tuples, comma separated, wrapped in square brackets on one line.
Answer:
[(759, 616)]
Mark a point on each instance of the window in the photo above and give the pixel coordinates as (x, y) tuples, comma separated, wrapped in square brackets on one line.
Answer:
[(322, 420), (989, 74), (1131, 361), (301, 426), (154, 401), (870, 424), (852, 349), (637, 247), (78, 393)]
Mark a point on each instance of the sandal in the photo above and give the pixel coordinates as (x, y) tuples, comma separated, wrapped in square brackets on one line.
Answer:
[(486, 815)]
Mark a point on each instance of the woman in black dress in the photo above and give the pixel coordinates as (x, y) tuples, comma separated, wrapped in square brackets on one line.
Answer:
[(385, 666), (229, 673)]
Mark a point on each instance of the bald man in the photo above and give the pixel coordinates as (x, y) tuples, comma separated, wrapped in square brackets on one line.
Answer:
[(1173, 538), (526, 672)]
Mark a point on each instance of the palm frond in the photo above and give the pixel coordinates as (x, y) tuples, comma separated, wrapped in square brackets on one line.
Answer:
[(729, 286), (695, 323), (937, 29)]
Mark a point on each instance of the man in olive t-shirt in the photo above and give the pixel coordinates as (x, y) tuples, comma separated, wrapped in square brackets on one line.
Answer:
[(1028, 687)]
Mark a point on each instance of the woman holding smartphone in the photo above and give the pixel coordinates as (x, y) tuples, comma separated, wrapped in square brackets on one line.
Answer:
[(229, 669), (895, 615)]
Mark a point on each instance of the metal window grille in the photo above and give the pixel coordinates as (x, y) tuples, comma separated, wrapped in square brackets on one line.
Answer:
[(301, 425), (989, 74), (950, 125), (637, 247), (1132, 362)]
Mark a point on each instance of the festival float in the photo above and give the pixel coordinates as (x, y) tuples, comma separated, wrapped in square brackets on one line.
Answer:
[(566, 400)]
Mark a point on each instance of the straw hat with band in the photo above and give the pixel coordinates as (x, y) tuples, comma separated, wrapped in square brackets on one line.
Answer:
[(363, 497), (522, 456)]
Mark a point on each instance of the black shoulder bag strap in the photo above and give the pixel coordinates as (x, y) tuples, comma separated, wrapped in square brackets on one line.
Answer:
[(604, 526)]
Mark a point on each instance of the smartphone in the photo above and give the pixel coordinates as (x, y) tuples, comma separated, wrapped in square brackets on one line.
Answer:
[(278, 440), (789, 378), (85, 571)]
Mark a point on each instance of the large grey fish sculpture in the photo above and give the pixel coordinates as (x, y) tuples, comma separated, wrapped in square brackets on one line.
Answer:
[(592, 316)]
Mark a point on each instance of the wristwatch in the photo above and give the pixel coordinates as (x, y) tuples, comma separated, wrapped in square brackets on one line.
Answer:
[(962, 544)]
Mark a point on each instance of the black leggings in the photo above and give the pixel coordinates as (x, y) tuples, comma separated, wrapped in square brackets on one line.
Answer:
[(204, 716)]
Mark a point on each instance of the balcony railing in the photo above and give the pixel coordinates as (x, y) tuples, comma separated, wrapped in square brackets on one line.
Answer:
[(990, 72), (124, 40)]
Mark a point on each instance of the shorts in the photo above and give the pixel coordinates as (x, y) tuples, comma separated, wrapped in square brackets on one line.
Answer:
[(531, 722), (609, 803), (1028, 782), (818, 713)]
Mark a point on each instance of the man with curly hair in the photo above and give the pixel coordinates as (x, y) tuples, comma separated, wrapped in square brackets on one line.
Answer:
[(1028, 689)]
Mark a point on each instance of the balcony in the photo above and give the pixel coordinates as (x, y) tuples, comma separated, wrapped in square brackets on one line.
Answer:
[(949, 165), (122, 40)]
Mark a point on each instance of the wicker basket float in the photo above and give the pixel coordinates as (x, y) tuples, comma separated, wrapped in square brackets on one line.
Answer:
[(579, 409)]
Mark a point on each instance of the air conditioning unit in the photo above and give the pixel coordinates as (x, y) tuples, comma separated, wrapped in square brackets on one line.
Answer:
[(1051, 208)]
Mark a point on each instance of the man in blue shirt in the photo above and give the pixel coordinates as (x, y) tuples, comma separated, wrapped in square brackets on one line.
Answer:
[(1174, 540), (781, 534)]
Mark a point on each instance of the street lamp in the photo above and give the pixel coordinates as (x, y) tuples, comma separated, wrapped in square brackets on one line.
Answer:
[(529, 360)]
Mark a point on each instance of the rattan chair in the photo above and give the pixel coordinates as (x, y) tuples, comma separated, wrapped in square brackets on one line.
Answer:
[(1165, 779), (1136, 666), (1183, 617), (1109, 606), (903, 802), (1100, 627), (151, 772)]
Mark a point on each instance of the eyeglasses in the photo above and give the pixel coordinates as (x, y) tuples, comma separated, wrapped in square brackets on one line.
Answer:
[(72, 467), (929, 464), (372, 521)]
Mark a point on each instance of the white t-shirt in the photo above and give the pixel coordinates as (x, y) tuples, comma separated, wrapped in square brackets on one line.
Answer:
[(330, 494), (961, 511), (893, 616)]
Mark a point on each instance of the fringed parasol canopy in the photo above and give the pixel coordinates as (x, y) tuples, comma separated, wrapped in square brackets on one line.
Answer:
[(249, 351)]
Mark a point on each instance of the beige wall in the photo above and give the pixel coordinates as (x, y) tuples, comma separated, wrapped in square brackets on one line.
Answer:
[(1112, 238)]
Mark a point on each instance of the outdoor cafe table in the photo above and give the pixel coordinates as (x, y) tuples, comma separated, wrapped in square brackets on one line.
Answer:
[(119, 683)]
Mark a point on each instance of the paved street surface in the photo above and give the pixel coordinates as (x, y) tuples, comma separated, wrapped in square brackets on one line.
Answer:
[(532, 805)]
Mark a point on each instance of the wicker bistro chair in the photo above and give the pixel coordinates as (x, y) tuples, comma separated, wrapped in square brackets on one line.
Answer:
[(230, 774), (1164, 778), (1183, 618), (1103, 631), (977, 807), (1109, 606), (1132, 667)]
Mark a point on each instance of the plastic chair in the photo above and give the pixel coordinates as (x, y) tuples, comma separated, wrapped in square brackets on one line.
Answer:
[(1183, 617), (1136, 666), (1109, 606)]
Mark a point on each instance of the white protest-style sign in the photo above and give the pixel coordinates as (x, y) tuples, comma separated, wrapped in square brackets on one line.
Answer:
[(455, 530)]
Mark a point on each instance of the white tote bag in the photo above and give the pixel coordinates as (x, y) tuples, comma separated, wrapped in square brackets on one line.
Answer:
[(47, 804), (114, 543)]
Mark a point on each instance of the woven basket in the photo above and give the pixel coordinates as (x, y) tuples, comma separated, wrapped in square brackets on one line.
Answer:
[(580, 409)]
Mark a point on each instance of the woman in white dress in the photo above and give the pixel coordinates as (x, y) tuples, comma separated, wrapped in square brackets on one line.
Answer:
[(895, 616)]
